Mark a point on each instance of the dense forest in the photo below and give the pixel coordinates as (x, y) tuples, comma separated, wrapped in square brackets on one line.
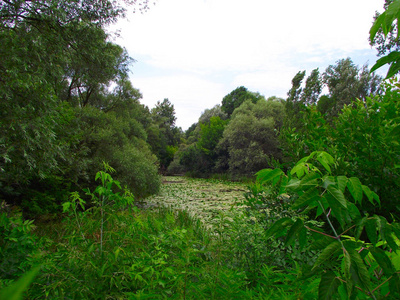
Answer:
[(80, 155)]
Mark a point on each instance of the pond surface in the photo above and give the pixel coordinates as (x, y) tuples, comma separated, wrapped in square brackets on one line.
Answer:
[(204, 198)]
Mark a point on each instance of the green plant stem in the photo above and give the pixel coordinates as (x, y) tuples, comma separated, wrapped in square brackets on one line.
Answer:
[(79, 225), (102, 225), (337, 237)]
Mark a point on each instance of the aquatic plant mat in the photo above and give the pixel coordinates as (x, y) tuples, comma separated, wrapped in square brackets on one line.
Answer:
[(206, 199)]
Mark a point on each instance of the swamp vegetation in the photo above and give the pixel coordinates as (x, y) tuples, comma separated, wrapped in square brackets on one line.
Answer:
[(308, 207)]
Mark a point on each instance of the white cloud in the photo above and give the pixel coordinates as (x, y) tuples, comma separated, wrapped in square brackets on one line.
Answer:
[(257, 43)]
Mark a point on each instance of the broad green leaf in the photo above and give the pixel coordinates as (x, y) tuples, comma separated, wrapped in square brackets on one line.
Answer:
[(325, 160), (16, 290), (383, 260), (370, 227), (342, 182), (305, 199), (358, 269), (327, 253), (353, 211), (328, 285), (310, 179), (294, 229), (370, 195), (327, 181), (279, 226), (299, 169), (337, 195), (267, 175), (293, 184), (355, 187), (360, 227), (388, 59), (396, 259), (338, 212), (394, 69), (394, 283), (375, 27), (390, 237)]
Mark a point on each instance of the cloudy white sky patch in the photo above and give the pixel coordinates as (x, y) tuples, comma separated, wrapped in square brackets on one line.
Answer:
[(196, 51)]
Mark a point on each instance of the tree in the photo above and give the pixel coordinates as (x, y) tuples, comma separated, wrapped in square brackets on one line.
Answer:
[(235, 98), (299, 97), (385, 43), (313, 88), (216, 111), (386, 23), (250, 139), (347, 82), (166, 141), (56, 68)]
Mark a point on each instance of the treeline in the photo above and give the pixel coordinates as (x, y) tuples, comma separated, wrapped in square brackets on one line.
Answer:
[(67, 106), (356, 122)]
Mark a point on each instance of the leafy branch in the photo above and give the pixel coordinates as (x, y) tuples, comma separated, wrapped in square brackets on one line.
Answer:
[(312, 188)]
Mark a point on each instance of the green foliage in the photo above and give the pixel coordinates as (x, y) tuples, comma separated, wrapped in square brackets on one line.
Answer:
[(16, 289), (235, 98), (19, 247), (348, 264), (250, 139), (167, 136), (383, 29), (363, 141)]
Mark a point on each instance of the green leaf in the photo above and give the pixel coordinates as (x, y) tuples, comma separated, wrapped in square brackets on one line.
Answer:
[(310, 179), (299, 169), (278, 226), (370, 195), (394, 69), (358, 270), (328, 285), (66, 206), (327, 253), (337, 195), (267, 175), (387, 59), (383, 260), (306, 198), (16, 289), (396, 259), (394, 283), (375, 27), (295, 229), (370, 227), (360, 227), (342, 182), (353, 211), (303, 238), (326, 160), (355, 187)]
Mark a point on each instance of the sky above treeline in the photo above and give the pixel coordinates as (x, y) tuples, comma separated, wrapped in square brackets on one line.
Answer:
[(194, 52)]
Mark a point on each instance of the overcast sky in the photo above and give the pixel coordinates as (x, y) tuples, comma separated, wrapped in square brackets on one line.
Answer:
[(194, 52)]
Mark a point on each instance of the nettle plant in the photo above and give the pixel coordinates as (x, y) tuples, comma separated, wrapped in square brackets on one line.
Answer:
[(359, 255), (104, 201)]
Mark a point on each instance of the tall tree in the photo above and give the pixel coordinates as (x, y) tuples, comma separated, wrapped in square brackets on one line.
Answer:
[(164, 139), (346, 82), (235, 98), (313, 88), (250, 138)]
